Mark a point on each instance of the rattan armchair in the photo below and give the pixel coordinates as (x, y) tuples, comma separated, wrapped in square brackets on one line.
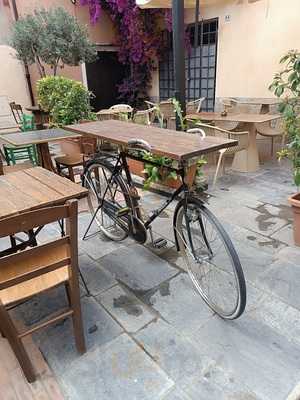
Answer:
[(272, 131), (194, 106), (241, 137), (145, 117)]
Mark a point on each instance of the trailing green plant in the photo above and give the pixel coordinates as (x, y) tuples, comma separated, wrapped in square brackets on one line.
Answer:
[(286, 83), (158, 171), (66, 100), (52, 37)]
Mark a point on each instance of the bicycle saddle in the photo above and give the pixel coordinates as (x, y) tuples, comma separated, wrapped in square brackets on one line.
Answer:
[(139, 144)]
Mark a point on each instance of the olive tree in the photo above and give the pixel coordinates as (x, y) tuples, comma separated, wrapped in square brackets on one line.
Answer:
[(52, 37)]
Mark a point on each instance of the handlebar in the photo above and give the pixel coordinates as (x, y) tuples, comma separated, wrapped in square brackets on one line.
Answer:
[(140, 144)]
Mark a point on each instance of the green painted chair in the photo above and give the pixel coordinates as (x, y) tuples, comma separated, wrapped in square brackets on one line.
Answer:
[(24, 153)]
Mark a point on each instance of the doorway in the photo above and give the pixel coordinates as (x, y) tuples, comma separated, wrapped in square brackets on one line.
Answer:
[(103, 77)]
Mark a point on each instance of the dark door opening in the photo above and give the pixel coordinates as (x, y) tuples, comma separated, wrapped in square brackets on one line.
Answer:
[(103, 77)]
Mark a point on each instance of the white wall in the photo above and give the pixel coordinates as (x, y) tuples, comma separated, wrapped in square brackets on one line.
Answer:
[(251, 43)]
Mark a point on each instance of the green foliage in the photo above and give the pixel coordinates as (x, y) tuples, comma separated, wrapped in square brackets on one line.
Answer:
[(287, 83), (157, 172), (66, 100), (52, 37)]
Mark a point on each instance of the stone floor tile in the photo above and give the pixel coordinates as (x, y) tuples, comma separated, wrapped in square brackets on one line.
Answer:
[(252, 355), (121, 370), (130, 312), (96, 277), (282, 279), (279, 316), (257, 219), (291, 254), (176, 394), (174, 353), (137, 267), (57, 342), (179, 304), (98, 246), (285, 235)]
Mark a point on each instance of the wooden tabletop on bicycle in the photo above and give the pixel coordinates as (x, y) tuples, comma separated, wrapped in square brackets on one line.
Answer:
[(176, 145)]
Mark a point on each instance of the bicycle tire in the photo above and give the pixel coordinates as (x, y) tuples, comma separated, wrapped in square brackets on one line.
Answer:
[(110, 207), (199, 258)]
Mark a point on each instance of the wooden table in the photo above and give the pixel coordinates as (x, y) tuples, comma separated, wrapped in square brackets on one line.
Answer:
[(35, 188), (41, 139), (245, 160), (179, 146)]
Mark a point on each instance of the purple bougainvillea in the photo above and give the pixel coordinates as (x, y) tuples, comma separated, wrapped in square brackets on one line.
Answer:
[(140, 40)]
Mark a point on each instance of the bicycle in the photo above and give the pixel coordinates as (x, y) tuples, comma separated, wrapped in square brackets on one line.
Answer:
[(212, 261)]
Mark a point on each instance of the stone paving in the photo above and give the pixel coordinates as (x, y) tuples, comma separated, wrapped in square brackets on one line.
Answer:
[(150, 336)]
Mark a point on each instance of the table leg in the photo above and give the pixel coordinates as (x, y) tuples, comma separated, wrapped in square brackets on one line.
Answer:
[(44, 157), (247, 160)]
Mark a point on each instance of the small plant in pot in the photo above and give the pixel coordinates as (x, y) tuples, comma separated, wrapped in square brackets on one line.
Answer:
[(286, 85)]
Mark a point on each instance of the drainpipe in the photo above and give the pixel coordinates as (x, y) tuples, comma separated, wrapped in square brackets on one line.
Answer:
[(27, 74)]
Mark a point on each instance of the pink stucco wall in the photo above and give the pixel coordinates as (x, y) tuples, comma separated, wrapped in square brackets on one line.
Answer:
[(101, 33)]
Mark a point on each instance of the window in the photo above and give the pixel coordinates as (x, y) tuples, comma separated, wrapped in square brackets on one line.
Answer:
[(200, 65)]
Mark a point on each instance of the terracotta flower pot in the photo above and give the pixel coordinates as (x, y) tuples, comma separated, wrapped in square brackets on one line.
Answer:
[(295, 203)]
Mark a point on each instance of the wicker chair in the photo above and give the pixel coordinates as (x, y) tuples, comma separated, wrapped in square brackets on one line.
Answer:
[(145, 117), (167, 112), (231, 105), (242, 138), (194, 106), (272, 131), (124, 111)]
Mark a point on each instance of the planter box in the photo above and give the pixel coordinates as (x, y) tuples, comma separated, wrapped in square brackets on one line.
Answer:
[(295, 203), (136, 167)]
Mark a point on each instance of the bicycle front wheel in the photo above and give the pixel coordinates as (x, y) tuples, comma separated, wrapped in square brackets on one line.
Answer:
[(211, 259), (108, 196)]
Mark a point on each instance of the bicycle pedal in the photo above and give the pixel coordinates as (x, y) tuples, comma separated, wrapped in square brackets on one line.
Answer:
[(159, 243), (122, 212)]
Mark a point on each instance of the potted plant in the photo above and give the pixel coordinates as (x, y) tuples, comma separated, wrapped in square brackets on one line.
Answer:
[(287, 84)]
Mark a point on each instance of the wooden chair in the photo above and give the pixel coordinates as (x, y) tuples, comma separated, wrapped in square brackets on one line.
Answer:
[(66, 165), (194, 106), (242, 138), (266, 129), (36, 270), (17, 112)]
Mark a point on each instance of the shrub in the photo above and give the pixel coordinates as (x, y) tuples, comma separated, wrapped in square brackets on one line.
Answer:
[(66, 100)]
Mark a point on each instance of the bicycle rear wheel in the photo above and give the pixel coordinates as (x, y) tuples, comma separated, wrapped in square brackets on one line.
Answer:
[(211, 259), (109, 191)]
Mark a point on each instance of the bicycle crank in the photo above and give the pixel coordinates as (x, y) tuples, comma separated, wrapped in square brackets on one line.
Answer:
[(137, 230)]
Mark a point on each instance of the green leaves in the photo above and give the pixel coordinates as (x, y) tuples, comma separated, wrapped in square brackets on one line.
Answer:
[(287, 82), (66, 100), (52, 37)]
